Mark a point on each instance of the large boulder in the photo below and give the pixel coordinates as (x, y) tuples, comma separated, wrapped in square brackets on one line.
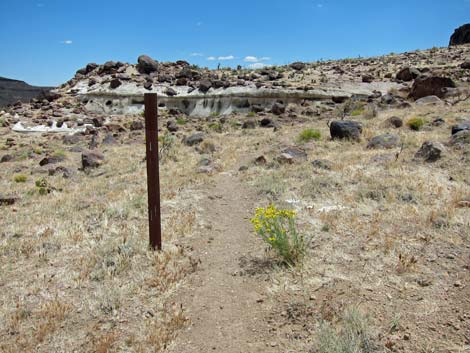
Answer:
[(146, 65), (346, 129), (408, 74), (430, 86), (461, 35), (278, 108), (298, 66), (460, 138), (465, 65)]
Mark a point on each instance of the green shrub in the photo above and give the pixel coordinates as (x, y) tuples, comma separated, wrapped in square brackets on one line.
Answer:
[(308, 135), (277, 228), (215, 114), (415, 123), (181, 121), (217, 127), (20, 178), (357, 112), (251, 115)]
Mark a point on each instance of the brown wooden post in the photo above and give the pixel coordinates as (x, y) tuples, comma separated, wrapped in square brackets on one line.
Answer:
[(153, 170)]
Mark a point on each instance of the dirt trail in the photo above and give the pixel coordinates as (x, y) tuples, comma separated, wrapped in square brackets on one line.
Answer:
[(224, 306)]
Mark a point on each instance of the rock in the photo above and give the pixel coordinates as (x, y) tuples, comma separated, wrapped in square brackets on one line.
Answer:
[(146, 65), (387, 99), (6, 158), (66, 172), (408, 74), (322, 164), (430, 151), (465, 125), (205, 86), (461, 35), (430, 86), (170, 92), (148, 85), (394, 121), (136, 125), (296, 153), (110, 67), (367, 78), (261, 160), (71, 139), (90, 67), (339, 99), (249, 124), (285, 158), (115, 83), (172, 126), (51, 160), (438, 122), (298, 66), (109, 139), (7, 200), (465, 65), (460, 138), (194, 139), (92, 159), (267, 122), (278, 108), (346, 129), (429, 100), (384, 141)]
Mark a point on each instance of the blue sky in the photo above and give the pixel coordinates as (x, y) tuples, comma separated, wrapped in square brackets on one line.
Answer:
[(45, 41)]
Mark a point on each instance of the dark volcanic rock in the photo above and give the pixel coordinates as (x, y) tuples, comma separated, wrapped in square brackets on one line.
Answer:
[(7, 200), (465, 125), (51, 160), (298, 66), (461, 35), (346, 129), (205, 86), (430, 86), (430, 151), (465, 65), (92, 159), (408, 74), (278, 108), (115, 83), (394, 121), (146, 65)]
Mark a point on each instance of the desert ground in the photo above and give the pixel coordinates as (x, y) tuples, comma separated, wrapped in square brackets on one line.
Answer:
[(386, 220)]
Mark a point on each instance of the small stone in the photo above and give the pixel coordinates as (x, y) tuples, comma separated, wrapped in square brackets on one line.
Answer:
[(430, 151), (386, 141), (194, 139), (92, 159)]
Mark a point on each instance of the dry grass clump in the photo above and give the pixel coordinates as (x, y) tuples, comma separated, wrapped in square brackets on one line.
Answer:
[(353, 335)]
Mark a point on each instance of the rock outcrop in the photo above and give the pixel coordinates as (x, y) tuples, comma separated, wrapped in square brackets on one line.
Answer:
[(461, 35)]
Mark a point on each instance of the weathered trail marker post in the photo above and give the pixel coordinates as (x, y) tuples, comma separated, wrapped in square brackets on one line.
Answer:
[(153, 170)]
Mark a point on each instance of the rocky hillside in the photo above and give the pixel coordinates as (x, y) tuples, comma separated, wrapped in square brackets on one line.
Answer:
[(12, 91)]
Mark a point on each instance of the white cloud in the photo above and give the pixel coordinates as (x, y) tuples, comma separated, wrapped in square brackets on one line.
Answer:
[(196, 54), (199, 24), (229, 57), (255, 66), (319, 6), (254, 59), (67, 42), (221, 58)]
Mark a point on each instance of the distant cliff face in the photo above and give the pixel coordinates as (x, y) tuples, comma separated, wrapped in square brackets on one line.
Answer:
[(12, 91), (461, 35)]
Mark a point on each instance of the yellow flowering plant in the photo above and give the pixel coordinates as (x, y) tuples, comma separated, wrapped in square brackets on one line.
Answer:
[(277, 228)]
